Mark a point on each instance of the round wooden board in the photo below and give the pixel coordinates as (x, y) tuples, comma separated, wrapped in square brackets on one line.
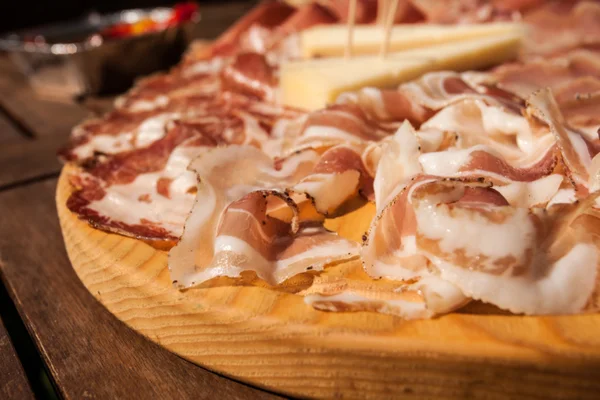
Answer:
[(273, 340)]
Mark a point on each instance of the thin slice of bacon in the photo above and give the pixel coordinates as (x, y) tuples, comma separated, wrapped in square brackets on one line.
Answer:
[(347, 288), (525, 261), (250, 73), (578, 24), (572, 144), (233, 226)]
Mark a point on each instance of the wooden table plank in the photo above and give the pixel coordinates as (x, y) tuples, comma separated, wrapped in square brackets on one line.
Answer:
[(8, 131), (13, 382), (39, 117), (23, 160), (89, 352)]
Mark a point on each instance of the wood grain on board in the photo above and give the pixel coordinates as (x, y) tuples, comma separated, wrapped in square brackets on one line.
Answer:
[(88, 352), (13, 382), (274, 340)]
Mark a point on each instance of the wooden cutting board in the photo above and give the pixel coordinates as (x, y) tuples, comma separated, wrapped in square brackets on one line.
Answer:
[(273, 340)]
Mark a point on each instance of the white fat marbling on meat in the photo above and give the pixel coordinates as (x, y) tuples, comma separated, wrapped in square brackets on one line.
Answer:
[(531, 194), (449, 162), (398, 164), (204, 67), (564, 288), (148, 105), (123, 202), (146, 133), (474, 234)]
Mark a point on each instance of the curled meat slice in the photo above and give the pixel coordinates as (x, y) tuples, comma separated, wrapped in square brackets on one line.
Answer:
[(578, 22), (347, 288), (386, 105), (526, 261), (576, 153), (249, 73), (339, 176), (579, 102), (437, 90), (336, 124), (150, 205), (523, 78), (397, 164), (237, 223)]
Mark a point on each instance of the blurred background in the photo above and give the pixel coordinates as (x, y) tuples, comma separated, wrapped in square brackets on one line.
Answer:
[(102, 47), (17, 14)]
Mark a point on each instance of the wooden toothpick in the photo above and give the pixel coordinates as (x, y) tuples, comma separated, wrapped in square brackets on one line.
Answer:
[(351, 20), (389, 24)]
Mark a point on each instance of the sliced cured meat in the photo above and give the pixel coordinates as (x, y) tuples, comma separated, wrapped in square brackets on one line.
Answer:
[(157, 91), (250, 74), (572, 144), (526, 77), (387, 105), (478, 194), (525, 261), (481, 161), (461, 11), (155, 177), (117, 132), (578, 23), (347, 288), (339, 176), (268, 14), (437, 90), (232, 193), (473, 122), (150, 205), (579, 102), (337, 124), (227, 116), (366, 10), (406, 12), (397, 164), (305, 17)]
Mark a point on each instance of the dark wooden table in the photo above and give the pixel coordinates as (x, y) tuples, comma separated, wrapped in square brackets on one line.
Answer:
[(56, 340)]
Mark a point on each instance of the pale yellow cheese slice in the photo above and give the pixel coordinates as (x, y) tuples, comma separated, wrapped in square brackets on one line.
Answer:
[(312, 84), (331, 40)]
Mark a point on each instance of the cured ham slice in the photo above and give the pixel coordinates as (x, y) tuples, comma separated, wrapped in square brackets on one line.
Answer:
[(521, 260), (235, 118), (230, 229), (437, 90), (336, 124), (526, 77), (157, 91), (251, 74), (470, 11), (146, 194), (579, 101), (572, 144), (461, 186), (347, 288), (397, 165), (387, 105), (339, 176), (578, 22)]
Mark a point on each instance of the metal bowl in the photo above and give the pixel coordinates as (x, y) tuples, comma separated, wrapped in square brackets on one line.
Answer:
[(68, 59)]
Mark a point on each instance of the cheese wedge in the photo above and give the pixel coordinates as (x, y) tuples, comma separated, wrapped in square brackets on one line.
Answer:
[(312, 84), (330, 40)]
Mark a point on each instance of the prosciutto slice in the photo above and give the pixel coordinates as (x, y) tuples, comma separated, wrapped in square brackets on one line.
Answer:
[(231, 229), (461, 186), (525, 261)]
